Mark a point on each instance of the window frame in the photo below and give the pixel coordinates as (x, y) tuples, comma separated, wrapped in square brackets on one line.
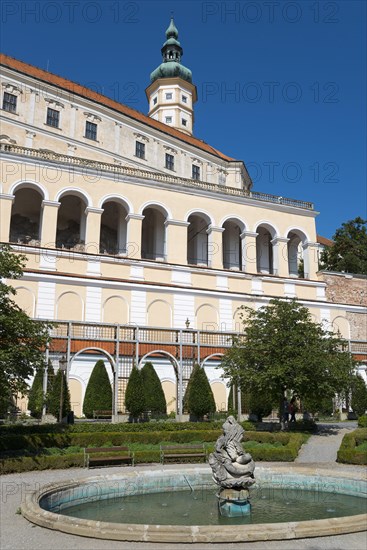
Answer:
[(169, 162), (51, 117), (12, 103), (170, 94), (168, 121), (140, 149), (91, 129), (195, 173)]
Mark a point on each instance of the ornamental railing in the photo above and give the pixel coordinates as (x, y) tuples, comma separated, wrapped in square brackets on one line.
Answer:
[(116, 169)]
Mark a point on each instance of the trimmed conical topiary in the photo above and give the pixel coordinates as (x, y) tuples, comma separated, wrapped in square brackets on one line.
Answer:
[(98, 395), (155, 401), (54, 396), (134, 394), (200, 399), (35, 396)]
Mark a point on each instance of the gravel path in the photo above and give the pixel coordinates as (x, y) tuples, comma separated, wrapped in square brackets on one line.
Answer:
[(323, 446), (16, 533)]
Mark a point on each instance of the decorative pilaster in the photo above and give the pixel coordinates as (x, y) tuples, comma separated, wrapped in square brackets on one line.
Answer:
[(29, 138), (176, 241), (215, 247), (280, 256), (6, 202), (93, 229), (310, 259), (134, 231), (248, 245), (49, 223)]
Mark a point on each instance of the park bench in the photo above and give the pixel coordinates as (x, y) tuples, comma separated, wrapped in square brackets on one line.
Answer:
[(102, 414), (181, 452), (97, 456)]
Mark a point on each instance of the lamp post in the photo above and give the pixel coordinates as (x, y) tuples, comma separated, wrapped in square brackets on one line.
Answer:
[(62, 366), (187, 323)]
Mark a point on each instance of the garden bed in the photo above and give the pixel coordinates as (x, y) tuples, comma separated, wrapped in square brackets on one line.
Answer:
[(353, 449)]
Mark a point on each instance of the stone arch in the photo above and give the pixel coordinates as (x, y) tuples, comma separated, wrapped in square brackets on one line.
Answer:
[(172, 359), (25, 299), (170, 387), (266, 232), (71, 219), (197, 238), (296, 239), (117, 198), (232, 243), (29, 184), (113, 314), (153, 232), (342, 325), (67, 309), (113, 231), (76, 191), (207, 317), (162, 208), (26, 214), (162, 317)]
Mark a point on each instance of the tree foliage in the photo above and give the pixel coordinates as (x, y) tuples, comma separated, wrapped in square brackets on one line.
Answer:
[(154, 398), (200, 398), (251, 402), (134, 394), (22, 340), (359, 395), (282, 348), (98, 395), (55, 393), (349, 251), (35, 396)]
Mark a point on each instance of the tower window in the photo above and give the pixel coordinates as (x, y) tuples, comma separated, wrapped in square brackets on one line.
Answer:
[(53, 118), (184, 122), (169, 96), (155, 101), (10, 102), (184, 99), (195, 172), (140, 150), (168, 120), (91, 130), (170, 162)]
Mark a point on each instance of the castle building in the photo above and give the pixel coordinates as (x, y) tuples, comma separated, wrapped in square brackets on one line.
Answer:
[(142, 240)]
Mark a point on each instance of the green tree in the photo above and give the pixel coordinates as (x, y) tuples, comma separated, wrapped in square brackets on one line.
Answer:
[(359, 395), (349, 251), (251, 402), (35, 396), (55, 393), (98, 395), (22, 340), (154, 398), (134, 394), (282, 348), (200, 398)]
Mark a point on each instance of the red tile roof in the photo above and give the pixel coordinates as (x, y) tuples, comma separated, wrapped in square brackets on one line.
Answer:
[(79, 90), (324, 241)]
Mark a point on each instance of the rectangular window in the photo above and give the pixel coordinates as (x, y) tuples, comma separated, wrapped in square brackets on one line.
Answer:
[(155, 101), (168, 120), (184, 122), (53, 118), (184, 99), (170, 162), (140, 150), (10, 102), (91, 130), (169, 96), (195, 172)]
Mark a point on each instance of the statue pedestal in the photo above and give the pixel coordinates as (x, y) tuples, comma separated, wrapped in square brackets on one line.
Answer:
[(234, 503)]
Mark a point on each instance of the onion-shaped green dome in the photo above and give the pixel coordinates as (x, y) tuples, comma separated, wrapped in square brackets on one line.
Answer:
[(171, 53)]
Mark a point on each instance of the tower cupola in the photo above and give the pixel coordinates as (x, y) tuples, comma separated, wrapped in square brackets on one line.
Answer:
[(171, 94)]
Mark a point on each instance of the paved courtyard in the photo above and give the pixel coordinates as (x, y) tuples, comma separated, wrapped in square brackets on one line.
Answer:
[(18, 534)]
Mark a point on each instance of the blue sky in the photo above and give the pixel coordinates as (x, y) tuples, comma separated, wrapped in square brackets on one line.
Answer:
[(281, 84)]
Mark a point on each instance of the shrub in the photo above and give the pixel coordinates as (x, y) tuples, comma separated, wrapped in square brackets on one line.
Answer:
[(54, 396), (359, 395), (35, 398), (362, 421), (134, 394), (349, 452), (200, 399), (98, 395), (154, 398)]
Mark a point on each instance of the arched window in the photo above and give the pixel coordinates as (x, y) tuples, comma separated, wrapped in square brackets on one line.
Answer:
[(25, 223), (232, 246), (197, 240), (71, 222), (264, 250), (153, 239), (295, 254), (113, 229)]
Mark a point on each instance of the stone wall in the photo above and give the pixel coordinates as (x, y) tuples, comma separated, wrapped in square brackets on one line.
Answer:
[(345, 288)]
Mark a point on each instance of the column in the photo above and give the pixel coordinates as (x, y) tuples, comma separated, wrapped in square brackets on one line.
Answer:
[(248, 245), (74, 109), (176, 241), (215, 247), (93, 229), (49, 223), (32, 104), (134, 227), (280, 256), (310, 259), (6, 202)]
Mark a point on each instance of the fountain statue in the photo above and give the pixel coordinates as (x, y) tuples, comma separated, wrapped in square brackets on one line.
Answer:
[(233, 470)]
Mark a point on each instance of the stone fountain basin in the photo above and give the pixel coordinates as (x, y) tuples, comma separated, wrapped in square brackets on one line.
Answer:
[(60, 495)]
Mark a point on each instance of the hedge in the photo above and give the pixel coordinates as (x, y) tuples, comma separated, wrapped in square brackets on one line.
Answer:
[(348, 451), (41, 462), (362, 421)]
